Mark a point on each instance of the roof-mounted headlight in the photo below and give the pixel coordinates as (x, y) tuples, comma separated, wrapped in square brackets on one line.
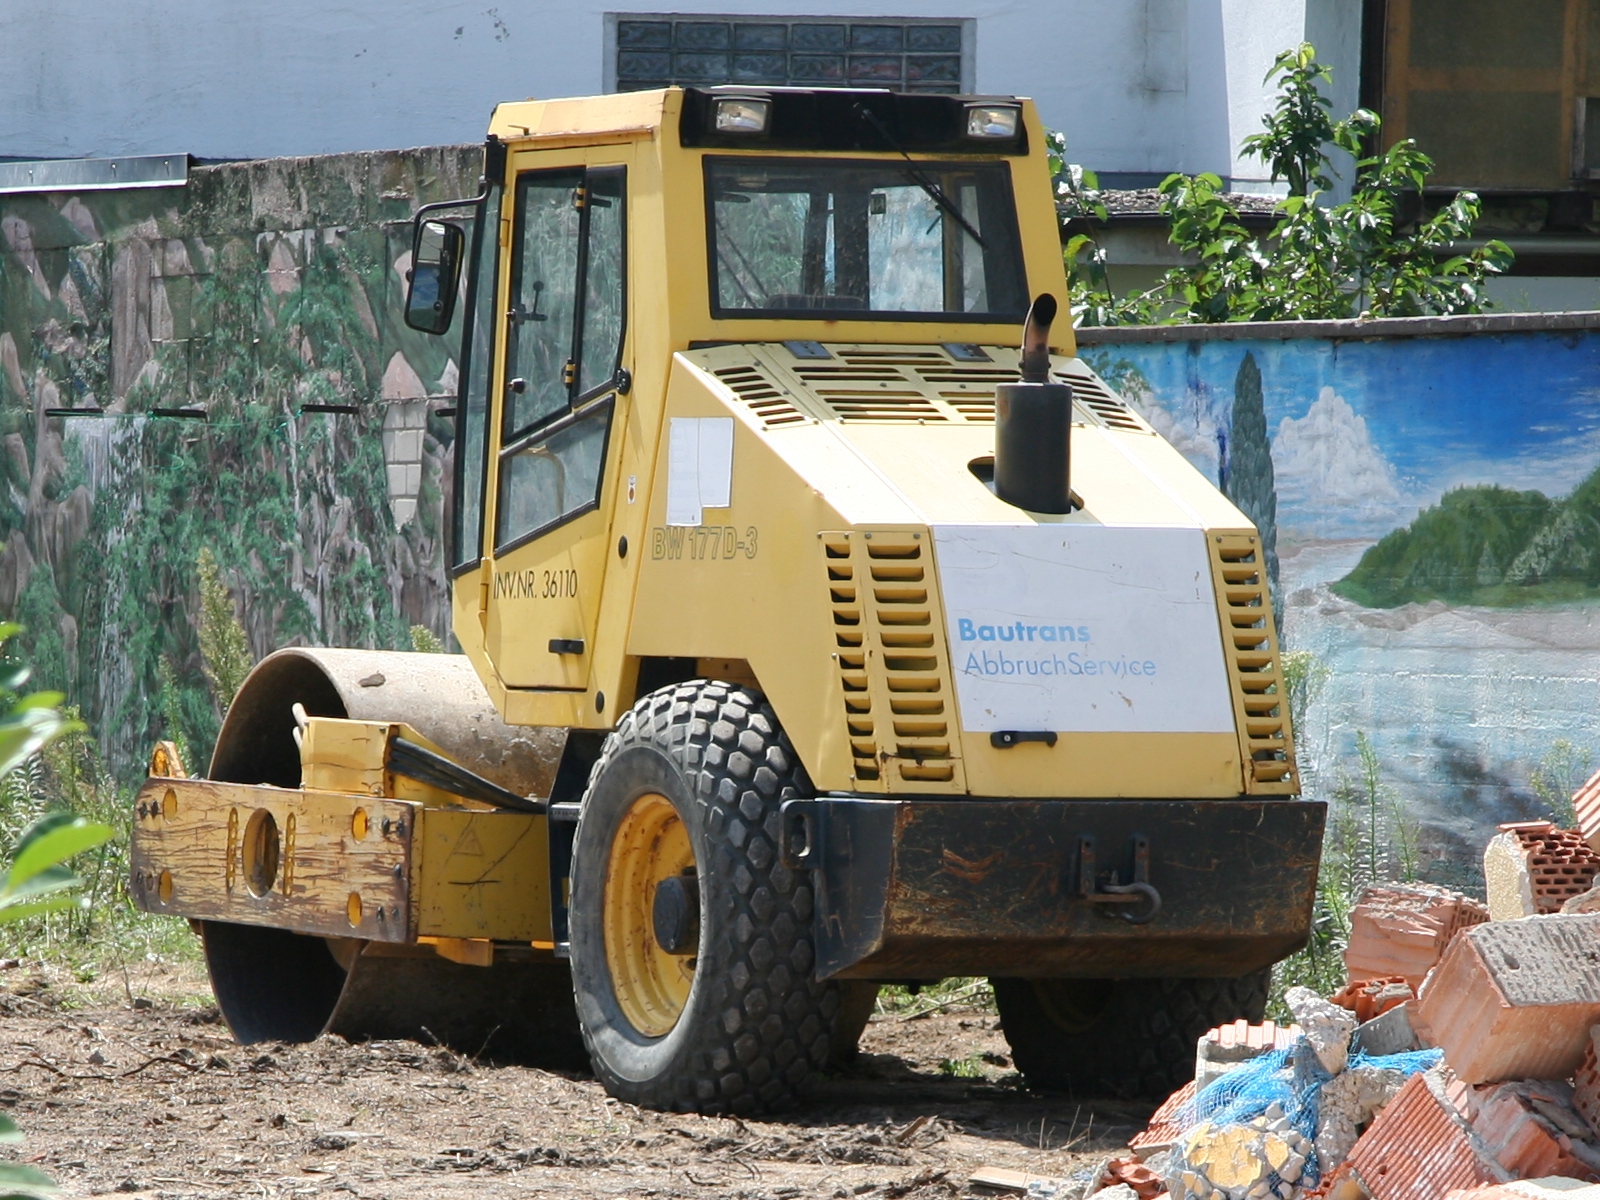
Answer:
[(741, 115), (993, 120)]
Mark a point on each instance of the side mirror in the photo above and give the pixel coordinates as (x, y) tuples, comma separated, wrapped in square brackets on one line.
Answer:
[(436, 253)]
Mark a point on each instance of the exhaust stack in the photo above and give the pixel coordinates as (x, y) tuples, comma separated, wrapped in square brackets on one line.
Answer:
[(1033, 425)]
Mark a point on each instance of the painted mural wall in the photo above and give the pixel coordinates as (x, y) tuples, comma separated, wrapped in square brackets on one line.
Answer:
[(254, 290), (1435, 507)]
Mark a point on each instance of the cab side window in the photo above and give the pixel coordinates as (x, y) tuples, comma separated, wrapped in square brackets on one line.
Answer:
[(564, 343)]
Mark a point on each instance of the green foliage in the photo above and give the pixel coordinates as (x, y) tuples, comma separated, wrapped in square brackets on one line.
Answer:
[(1362, 257), (908, 1003), (1486, 545), (38, 880), (31, 722), (425, 641), (224, 648), (292, 509), (1078, 197), (1304, 677), (1561, 772), (1370, 839), (970, 1067)]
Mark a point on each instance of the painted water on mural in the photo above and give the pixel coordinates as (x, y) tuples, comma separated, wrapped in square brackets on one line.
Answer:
[(1467, 645)]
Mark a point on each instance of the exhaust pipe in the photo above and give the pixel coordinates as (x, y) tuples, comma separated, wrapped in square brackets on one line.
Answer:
[(1033, 425)]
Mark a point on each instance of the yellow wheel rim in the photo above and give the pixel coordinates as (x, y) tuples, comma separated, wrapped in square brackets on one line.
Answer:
[(651, 986)]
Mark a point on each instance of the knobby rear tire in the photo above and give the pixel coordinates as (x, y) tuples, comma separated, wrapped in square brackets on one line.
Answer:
[(1124, 1038), (755, 1027)]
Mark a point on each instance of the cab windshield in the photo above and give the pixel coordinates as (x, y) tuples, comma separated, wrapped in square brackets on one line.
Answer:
[(857, 239)]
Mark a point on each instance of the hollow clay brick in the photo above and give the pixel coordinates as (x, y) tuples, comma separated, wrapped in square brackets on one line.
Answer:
[(1222, 1049), (1403, 929), (1515, 999), (1533, 867), (1419, 1147), (1166, 1124), (1551, 1188), (1586, 1083), (1369, 998), (1533, 1131), (1586, 803)]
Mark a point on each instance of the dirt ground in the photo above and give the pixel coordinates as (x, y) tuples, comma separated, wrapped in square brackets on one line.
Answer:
[(143, 1092)]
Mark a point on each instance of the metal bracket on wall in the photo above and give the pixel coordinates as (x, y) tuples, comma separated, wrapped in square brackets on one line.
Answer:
[(1137, 890)]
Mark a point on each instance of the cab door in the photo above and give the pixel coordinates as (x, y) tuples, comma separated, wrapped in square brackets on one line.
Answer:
[(564, 331)]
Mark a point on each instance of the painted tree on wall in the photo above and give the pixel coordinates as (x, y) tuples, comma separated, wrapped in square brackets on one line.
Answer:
[(1249, 481), (256, 290)]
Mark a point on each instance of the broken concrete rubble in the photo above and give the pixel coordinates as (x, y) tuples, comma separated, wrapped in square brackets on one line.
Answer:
[(1327, 1026), (1390, 1033), (1251, 1161), (1505, 1107), (1346, 1105)]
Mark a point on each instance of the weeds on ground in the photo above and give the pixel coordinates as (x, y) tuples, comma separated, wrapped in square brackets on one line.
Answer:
[(970, 1067), (1370, 839), (907, 1002)]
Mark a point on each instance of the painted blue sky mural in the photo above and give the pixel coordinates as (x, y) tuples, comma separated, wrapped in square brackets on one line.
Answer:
[(1467, 696), (1367, 432)]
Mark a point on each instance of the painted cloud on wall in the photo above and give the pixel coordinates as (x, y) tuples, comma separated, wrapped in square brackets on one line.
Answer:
[(1326, 459)]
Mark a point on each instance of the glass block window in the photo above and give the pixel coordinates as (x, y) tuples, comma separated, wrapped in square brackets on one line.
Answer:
[(902, 53)]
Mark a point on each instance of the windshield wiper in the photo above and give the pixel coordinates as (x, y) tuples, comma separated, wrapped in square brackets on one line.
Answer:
[(920, 178)]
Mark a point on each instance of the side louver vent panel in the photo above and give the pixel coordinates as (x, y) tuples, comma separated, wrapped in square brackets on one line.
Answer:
[(893, 667), (1250, 645)]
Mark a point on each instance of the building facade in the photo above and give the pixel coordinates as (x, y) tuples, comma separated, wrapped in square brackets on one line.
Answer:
[(1141, 87)]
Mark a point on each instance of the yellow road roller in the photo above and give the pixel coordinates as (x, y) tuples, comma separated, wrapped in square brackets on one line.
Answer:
[(826, 622)]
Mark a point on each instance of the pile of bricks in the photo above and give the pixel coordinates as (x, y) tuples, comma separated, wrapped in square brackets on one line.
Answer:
[(1507, 993)]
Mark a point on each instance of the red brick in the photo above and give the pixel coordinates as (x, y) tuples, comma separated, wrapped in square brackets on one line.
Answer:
[(1166, 1122), (1369, 998), (1515, 999), (1551, 865), (1402, 930), (1586, 803), (1419, 1147), (1586, 1083), (1522, 1140)]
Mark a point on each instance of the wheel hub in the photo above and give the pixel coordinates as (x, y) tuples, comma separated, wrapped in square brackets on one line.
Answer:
[(650, 851), (677, 914)]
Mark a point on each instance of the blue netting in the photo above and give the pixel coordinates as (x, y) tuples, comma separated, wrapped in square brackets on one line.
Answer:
[(1291, 1079)]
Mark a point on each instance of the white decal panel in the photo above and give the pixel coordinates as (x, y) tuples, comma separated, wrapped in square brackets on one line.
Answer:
[(1077, 628)]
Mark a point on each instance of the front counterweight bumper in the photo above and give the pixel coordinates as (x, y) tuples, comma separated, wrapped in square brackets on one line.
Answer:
[(925, 889)]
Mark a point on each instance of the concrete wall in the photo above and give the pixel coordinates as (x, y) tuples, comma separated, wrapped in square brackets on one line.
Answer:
[(1144, 86)]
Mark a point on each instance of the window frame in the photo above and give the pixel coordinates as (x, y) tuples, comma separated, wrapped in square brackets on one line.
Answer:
[(583, 405), (483, 227), (606, 402), (1001, 168)]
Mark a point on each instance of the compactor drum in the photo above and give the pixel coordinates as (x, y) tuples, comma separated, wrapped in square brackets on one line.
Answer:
[(815, 635)]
